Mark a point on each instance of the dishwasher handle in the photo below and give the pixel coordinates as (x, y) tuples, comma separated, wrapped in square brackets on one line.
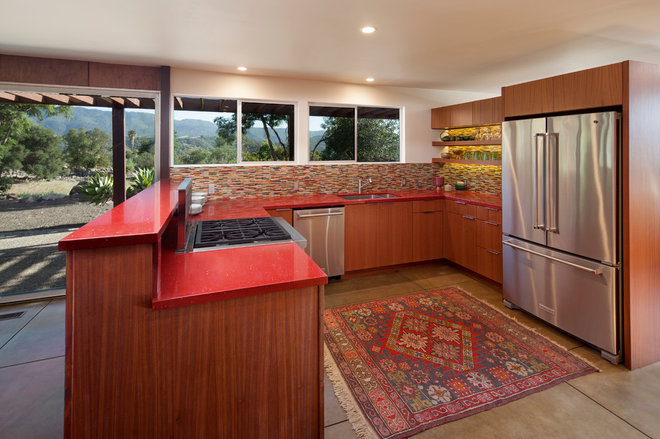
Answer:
[(311, 215)]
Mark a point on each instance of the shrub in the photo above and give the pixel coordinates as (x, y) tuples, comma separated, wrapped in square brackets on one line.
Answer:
[(140, 181), (5, 184), (99, 189)]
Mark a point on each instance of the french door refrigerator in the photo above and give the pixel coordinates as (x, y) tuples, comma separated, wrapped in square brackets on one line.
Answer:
[(560, 224)]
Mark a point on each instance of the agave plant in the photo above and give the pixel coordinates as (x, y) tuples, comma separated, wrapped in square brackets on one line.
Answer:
[(141, 180), (99, 189)]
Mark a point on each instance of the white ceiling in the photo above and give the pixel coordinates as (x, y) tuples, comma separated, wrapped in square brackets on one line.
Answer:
[(472, 45)]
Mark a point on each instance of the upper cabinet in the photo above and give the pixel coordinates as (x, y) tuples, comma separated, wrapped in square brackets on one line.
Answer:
[(592, 88), (483, 112)]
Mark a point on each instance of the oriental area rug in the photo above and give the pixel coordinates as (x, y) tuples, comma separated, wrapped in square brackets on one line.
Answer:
[(400, 366)]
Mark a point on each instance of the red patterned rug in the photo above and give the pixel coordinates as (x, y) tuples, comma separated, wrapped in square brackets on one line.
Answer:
[(415, 362)]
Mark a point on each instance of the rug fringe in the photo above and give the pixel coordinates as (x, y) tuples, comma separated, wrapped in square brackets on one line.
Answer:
[(598, 369), (361, 426)]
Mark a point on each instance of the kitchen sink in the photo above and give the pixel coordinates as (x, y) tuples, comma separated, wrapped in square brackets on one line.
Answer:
[(368, 196)]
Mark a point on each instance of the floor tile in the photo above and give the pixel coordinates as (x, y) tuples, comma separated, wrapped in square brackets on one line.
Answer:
[(340, 431), (8, 328), (32, 400), (333, 411), (632, 395), (42, 338), (558, 412)]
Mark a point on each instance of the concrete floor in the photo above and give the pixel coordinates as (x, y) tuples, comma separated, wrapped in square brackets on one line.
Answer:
[(615, 403)]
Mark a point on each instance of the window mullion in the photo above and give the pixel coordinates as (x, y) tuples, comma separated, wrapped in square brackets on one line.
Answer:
[(239, 131), (355, 135)]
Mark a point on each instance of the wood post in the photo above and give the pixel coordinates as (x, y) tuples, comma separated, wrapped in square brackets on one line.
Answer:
[(118, 155), (163, 150)]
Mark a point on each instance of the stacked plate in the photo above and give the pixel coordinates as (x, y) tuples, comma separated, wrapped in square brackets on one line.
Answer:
[(197, 201)]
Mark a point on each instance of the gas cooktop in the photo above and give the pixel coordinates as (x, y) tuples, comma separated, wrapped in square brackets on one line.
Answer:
[(219, 233)]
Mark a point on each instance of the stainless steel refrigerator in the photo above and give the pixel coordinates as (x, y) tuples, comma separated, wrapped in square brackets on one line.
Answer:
[(560, 223)]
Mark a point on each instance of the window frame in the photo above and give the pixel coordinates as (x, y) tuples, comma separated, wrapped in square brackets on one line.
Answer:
[(355, 133), (239, 133)]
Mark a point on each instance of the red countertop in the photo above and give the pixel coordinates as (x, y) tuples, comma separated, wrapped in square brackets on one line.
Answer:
[(200, 277), (192, 278)]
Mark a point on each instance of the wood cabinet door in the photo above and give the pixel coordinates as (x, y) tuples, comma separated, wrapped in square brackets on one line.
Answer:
[(441, 117), (427, 235), (361, 236), (287, 214), (529, 98), (592, 88), (489, 235), (461, 114), (498, 110), (394, 228), (482, 112)]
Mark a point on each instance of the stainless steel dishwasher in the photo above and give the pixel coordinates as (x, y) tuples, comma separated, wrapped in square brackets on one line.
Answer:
[(324, 230)]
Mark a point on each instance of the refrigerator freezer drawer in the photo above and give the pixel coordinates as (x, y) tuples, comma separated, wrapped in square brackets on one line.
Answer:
[(576, 295)]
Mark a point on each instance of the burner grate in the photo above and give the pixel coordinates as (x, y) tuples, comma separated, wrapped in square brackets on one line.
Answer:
[(238, 231)]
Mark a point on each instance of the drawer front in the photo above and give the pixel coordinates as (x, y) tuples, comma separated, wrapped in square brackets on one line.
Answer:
[(428, 206), (461, 208), (489, 264), (489, 235), (489, 214)]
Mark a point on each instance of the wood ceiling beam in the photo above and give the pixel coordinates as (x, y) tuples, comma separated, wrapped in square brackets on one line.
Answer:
[(81, 100), (7, 97), (30, 98), (55, 98)]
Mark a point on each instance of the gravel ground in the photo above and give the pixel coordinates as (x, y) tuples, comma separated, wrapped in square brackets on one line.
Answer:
[(29, 232), (18, 215)]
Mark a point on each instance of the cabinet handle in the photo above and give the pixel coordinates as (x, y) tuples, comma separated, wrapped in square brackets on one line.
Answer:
[(492, 252), (460, 202), (281, 210), (468, 217), (491, 223), (491, 208)]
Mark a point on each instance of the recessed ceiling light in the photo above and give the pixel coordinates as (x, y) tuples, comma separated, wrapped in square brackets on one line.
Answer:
[(368, 29), (370, 79), (241, 68)]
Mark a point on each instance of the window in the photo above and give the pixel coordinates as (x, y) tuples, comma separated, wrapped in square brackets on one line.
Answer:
[(372, 134), (206, 131)]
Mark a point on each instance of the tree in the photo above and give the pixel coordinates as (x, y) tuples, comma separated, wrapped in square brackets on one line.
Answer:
[(87, 149), (338, 138), (131, 139), (276, 148), (14, 122), (378, 140), (42, 157)]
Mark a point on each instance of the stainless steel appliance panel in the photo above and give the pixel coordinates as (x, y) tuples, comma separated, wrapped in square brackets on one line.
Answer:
[(581, 185), (324, 230), (523, 206), (574, 294)]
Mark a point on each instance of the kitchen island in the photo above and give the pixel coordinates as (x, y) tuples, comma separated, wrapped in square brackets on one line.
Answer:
[(222, 343)]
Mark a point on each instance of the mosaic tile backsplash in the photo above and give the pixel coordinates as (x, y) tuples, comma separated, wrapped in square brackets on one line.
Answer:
[(277, 180)]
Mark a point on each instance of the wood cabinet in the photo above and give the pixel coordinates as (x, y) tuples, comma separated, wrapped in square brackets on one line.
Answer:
[(287, 214), (378, 235), (473, 238), (482, 112), (428, 226), (593, 88)]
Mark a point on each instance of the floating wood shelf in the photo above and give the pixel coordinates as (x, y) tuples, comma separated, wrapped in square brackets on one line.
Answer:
[(468, 162), (468, 142)]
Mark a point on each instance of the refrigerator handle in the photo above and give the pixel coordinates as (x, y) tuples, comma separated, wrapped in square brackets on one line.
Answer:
[(595, 271), (552, 174), (538, 177)]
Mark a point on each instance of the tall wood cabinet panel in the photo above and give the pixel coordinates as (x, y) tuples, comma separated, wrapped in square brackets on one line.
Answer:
[(395, 233), (641, 214)]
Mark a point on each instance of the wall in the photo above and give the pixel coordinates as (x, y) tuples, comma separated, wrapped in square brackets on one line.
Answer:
[(265, 181), (416, 103), (268, 180)]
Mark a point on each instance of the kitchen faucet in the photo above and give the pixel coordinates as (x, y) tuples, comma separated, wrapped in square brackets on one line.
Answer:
[(361, 186)]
